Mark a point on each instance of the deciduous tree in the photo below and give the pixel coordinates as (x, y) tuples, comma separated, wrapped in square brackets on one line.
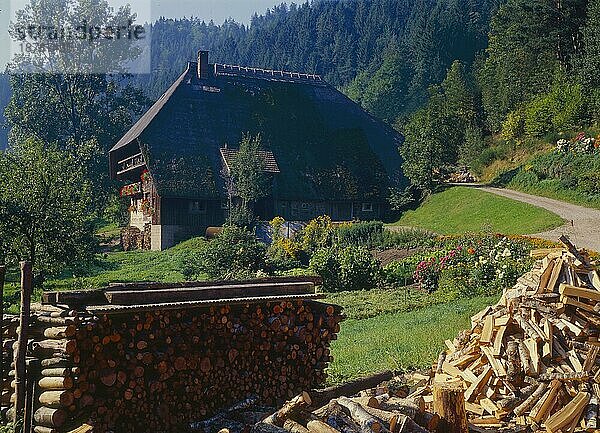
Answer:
[(45, 207)]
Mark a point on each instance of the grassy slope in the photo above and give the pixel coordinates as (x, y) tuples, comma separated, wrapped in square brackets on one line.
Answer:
[(462, 210), (512, 157), (552, 188), (403, 340)]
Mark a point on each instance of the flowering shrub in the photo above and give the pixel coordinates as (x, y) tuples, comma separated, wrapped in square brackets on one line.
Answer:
[(580, 144), (129, 190), (145, 177), (466, 265)]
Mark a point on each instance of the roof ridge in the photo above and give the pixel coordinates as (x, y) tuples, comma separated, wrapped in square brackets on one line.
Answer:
[(237, 70)]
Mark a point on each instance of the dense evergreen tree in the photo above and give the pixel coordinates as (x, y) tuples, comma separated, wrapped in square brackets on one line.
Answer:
[(529, 39), (589, 64)]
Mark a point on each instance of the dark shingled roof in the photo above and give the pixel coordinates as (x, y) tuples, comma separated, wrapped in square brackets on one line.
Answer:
[(322, 144), (270, 164)]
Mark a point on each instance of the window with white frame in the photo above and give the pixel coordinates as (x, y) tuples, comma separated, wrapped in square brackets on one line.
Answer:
[(367, 207)]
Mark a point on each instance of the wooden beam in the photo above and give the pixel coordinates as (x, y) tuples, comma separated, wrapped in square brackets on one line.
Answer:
[(136, 297), (97, 296)]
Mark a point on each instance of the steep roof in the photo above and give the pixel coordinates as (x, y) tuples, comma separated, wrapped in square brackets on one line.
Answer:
[(323, 145)]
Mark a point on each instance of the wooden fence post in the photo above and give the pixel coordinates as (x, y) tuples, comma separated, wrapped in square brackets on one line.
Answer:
[(33, 368), (2, 277), (21, 352)]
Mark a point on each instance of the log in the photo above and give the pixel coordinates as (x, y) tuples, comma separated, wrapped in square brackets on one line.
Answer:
[(531, 400), (335, 416), (568, 413), (56, 399), (590, 414), (366, 421), (449, 404), (292, 406), (293, 427), (48, 417), (316, 426), (322, 396), (526, 361), (389, 419), (262, 427), (41, 429), (60, 372), (513, 364), (56, 383), (407, 425), (60, 333), (404, 406)]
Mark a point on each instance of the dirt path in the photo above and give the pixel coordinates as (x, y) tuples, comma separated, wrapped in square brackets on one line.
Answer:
[(582, 223)]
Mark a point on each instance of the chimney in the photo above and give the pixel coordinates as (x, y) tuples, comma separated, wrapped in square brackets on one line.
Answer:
[(203, 65)]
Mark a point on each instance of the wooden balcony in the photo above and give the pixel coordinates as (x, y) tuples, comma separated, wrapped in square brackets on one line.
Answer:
[(131, 163)]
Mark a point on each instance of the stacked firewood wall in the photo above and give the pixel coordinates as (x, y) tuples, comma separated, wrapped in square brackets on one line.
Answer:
[(160, 370), (10, 324)]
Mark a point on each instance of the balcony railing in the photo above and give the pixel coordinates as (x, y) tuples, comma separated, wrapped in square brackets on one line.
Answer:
[(131, 163)]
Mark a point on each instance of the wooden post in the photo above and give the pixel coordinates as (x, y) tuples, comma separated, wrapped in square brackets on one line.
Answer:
[(2, 277), (20, 354), (33, 367), (449, 404)]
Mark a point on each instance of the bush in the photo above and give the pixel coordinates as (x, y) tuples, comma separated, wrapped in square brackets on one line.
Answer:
[(400, 273), (514, 126), (365, 234), (538, 116), (407, 238), (242, 216), (350, 268), (317, 234), (234, 254)]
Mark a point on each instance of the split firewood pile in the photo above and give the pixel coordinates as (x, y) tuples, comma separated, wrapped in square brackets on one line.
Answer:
[(528, 363), (157, 359), (532, 359)]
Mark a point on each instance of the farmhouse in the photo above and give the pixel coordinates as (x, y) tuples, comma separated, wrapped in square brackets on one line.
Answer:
[(323, 153)]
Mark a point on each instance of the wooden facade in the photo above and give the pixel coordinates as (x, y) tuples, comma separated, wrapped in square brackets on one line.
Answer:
[(326, 156)]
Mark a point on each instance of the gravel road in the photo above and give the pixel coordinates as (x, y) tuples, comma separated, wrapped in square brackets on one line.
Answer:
[(582, 223)]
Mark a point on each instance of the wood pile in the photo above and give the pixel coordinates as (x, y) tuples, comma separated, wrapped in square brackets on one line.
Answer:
[(530, 362), (532, 359), (10, 323), (158, 358), (379, 404)]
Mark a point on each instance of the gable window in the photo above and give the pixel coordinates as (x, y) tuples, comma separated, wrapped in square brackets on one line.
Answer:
[(367, 207), (197, 207)]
